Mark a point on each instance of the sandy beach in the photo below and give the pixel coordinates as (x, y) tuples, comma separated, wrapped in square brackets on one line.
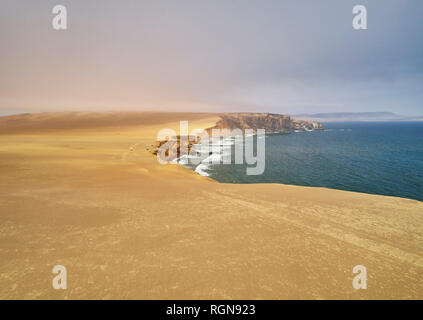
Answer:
[(126, 227)]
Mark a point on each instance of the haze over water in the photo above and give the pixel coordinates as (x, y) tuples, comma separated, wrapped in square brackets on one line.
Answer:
[(372, 157)]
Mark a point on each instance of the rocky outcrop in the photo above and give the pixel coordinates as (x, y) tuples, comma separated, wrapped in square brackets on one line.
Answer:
[(272, 123), (302, 125), (176, 147)]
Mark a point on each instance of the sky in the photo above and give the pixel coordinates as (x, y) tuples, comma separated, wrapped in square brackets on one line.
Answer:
[(282, 56)]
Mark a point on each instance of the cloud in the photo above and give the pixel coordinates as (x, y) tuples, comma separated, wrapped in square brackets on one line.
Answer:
[(281, 56)]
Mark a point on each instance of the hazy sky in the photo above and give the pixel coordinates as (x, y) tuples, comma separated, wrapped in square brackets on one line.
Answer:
[(286, 56)]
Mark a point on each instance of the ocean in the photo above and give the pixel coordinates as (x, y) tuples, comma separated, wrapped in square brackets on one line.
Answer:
[(383, 158)]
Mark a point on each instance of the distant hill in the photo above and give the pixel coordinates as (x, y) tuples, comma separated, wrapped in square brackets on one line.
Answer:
[(355, 116), (59, 121)]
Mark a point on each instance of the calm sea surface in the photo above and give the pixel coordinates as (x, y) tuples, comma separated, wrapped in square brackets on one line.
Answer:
[(372, 157)]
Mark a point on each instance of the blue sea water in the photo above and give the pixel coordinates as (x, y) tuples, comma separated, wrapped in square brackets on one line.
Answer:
[(372, 157)]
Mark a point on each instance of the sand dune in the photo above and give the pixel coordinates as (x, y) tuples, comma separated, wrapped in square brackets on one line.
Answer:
[(127, 227)]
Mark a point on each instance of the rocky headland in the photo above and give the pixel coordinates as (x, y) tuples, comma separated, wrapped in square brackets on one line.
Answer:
[(272, 123)]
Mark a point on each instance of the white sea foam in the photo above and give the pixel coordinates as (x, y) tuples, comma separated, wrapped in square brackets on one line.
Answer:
[(213, 158), (217, 150), (200, 170), (184, 159)]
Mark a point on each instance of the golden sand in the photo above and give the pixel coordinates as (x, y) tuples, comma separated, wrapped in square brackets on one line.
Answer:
[(126, 227)]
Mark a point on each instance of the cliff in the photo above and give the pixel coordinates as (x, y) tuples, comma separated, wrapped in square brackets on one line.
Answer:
[(272, 123)]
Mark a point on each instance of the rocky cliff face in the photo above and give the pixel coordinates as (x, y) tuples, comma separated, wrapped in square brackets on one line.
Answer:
[(272, 123)]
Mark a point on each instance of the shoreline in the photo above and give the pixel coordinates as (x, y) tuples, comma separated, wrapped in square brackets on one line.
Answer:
[(199, 168), (211, 121)]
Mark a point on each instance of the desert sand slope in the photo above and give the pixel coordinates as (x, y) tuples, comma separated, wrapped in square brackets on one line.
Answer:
[(125, 226)]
